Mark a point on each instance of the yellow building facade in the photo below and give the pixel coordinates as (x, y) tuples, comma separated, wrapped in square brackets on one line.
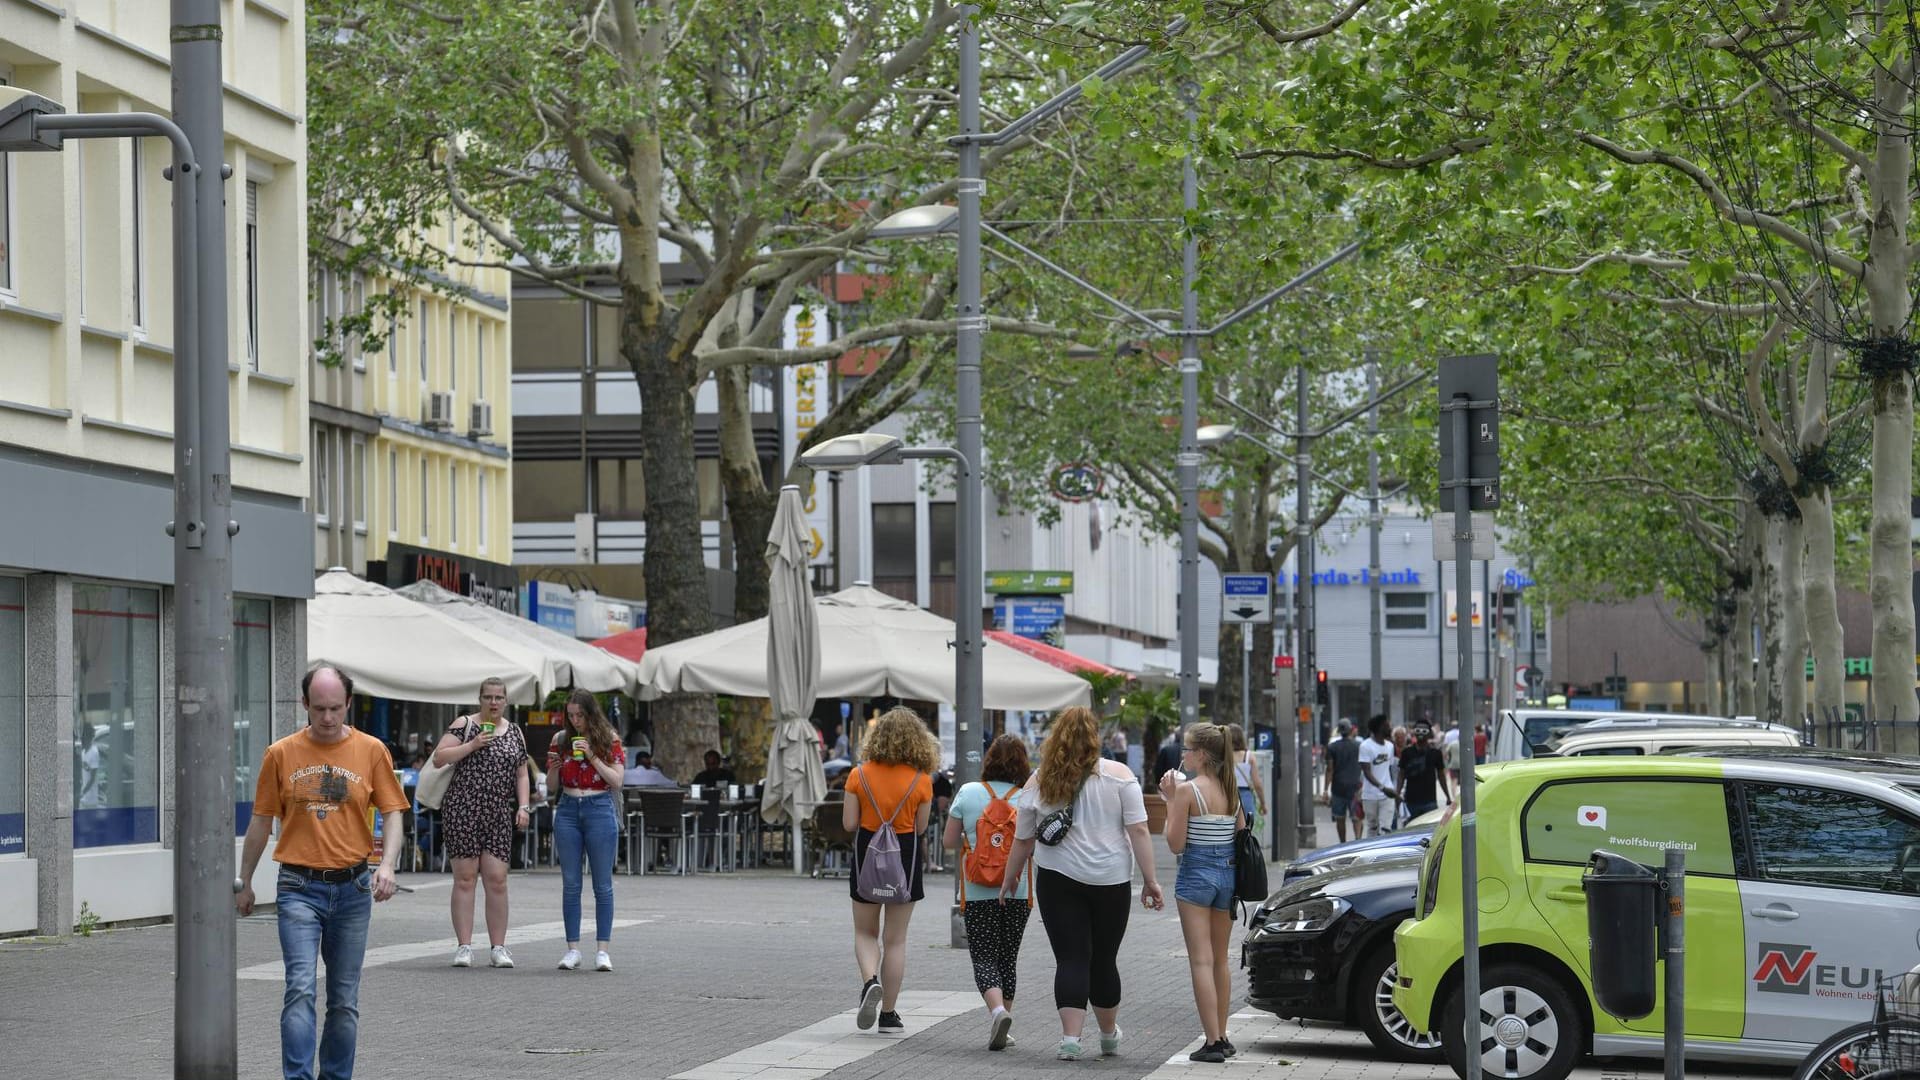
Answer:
[(411, 441)]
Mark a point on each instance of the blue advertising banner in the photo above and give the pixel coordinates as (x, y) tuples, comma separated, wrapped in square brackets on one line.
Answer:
[(13, 834), (115, 826), (1038, 618)]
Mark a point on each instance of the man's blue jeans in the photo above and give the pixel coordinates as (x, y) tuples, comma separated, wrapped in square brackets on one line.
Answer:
[(324, 922), (586, 826)]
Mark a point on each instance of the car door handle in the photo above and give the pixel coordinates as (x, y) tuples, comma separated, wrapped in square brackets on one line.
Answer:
[(1778, 913), (1568, 894)]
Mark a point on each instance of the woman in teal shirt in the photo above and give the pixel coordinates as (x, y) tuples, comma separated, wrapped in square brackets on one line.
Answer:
[(982, 821)]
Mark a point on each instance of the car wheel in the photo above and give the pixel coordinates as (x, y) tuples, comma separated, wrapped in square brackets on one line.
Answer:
[(1374, 1011), (1529, 1027)]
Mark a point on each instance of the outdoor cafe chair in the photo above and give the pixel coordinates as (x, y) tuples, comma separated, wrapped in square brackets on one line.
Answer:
[(829, 844), (664, 819)]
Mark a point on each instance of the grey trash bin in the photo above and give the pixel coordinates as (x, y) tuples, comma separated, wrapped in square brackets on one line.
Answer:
[(1623, 908)]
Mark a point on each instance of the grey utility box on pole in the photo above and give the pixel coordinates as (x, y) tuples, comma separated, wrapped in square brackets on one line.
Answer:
[(1469, 480)]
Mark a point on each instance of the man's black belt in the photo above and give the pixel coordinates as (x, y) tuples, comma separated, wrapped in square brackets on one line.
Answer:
[(330, 877)]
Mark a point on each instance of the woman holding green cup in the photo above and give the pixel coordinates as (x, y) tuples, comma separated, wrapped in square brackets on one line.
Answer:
[(486, 801)]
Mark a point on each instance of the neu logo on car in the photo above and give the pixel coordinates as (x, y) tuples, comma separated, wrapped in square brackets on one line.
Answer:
[(1790, 969)]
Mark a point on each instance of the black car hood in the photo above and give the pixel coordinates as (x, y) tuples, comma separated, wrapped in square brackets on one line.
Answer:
[(1364, 878)]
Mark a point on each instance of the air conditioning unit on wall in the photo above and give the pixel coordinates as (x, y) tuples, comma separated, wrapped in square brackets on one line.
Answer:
[(440, 410), (481, 421)]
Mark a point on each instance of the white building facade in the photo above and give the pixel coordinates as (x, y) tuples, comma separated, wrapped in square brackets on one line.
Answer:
[(86, 449)]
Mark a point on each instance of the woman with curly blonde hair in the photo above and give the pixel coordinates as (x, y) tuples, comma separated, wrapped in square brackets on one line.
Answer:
[(897, 762), (1083, 822)]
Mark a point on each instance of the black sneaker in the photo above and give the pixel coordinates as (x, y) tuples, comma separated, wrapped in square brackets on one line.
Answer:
[(1226, 1046), (1210, 1053), (869, 1004), (890, 1024)]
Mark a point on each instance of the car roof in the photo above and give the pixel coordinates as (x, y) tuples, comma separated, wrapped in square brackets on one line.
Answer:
[(1789, 772), (1898, 767), (1578, 739)]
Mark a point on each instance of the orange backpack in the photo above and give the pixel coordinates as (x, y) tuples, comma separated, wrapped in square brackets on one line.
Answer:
[(986, 858)]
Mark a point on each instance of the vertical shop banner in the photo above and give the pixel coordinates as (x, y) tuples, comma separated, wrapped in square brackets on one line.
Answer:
[(806, 400), (1453, 608)]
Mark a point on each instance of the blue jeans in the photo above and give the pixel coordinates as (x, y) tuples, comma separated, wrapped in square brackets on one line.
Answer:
[(585, 827), (1206, 876), (328, 923)]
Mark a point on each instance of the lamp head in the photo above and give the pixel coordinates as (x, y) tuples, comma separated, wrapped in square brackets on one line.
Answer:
[(853, 452), (19, 112), (916, 222), (1213, 435)]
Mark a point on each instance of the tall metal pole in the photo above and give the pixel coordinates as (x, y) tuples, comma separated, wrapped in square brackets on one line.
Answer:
[(1246, 676), (205, 1017), (1463, 707), (1674, 1041), (972, 327), (1189, 459), (1376, 688), (1305, 663)]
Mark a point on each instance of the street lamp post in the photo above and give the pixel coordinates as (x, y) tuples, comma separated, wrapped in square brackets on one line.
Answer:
[(205, 1028)]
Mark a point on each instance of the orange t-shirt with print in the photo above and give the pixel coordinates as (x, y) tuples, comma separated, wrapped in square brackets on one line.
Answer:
[(321, 793), (889, 784)]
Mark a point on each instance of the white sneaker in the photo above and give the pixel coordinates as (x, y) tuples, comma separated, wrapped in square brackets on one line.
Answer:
[(463, 956), (602, 962), (501, 957), (571, 961)]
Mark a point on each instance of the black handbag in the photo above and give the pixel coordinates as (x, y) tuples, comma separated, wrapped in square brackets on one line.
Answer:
[(1054, 827), (1249, 868)]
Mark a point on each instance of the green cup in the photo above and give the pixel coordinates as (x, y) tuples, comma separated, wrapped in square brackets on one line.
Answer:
[(579, 749), (487, 726)]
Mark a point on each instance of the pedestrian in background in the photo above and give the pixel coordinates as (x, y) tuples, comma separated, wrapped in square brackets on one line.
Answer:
[(1252, 790), (1376, 778), (1083, 822), (1344, 781), (982, 826), (1202, 816), (322, 783), (485, 802), (1422, 768), (897, 760), (587, 765)]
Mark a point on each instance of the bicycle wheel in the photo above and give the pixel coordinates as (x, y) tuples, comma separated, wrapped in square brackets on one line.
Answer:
[(1875, 1050)]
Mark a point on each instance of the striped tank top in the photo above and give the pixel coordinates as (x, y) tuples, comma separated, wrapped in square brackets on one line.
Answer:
[(1208, 829)]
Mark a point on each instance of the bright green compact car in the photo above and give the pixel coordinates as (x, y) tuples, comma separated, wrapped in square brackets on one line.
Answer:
[(1803, 888)]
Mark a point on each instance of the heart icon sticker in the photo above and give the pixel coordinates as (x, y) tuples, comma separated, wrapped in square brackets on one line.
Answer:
[(1594, 817)]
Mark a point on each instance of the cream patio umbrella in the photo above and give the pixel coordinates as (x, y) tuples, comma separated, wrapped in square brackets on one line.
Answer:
[(396, 648), (871, 645), (795, 783), (570, 661)]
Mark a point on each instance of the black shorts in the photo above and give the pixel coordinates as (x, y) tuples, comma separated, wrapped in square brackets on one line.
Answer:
[(909, 856)]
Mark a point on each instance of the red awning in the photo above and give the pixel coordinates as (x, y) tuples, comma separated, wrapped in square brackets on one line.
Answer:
[(629, 644), (1059, 658)]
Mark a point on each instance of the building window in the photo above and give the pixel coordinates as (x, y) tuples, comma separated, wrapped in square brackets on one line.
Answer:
[(893, 547), (139, 235), (549, 335), (393, 495), (357, 476), (480, 361), (322, 476), (453, 348), (481, 524), (253, 274), (423, 343), (941, 519), (453, 507), (356, 305), (426, 505), (6, 209), (252, 698), (1404, 610), (619, 490), (116, 715), (13, 717), (549, 490)]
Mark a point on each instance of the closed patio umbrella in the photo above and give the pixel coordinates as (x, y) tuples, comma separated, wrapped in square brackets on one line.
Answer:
[(795, 782)]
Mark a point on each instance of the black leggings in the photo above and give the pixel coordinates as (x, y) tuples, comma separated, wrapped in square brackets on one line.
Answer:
[(1084, 924), (994, 930)]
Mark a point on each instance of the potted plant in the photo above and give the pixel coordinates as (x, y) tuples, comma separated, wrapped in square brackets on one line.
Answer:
[(1152, 711)]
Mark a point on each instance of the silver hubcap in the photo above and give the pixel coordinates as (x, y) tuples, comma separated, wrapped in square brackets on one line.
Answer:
[(1518, 1032), (1393, 1020)]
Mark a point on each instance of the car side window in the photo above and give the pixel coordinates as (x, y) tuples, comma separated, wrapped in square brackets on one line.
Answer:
[(1566, 821), (1609, 751), (1813, 836)]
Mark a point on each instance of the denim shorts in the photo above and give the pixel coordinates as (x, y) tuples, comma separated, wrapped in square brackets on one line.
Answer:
[(1206, 876)]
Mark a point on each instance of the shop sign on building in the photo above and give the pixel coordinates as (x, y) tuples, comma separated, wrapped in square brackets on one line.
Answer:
[(490, 583), (1033, 617), (1453, 608), (805, 402), (1030, 582)]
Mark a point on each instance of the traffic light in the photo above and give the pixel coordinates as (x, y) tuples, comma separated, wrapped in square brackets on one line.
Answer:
[(1321, 692)]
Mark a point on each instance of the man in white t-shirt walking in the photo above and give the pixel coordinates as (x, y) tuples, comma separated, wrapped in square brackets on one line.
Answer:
[(1377, 796)]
